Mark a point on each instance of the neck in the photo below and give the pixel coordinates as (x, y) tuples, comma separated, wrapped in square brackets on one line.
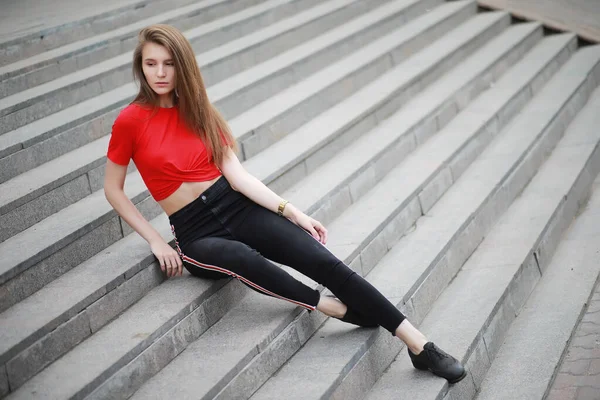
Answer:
[(166, 100)]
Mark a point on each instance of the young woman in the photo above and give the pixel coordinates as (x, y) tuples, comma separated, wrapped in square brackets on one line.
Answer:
[(226, 222)]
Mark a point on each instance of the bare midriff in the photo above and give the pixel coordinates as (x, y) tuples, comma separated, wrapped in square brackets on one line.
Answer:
[(184, 195)]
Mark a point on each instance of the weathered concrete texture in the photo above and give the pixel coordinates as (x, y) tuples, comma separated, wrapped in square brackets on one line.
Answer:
[(579, 16)]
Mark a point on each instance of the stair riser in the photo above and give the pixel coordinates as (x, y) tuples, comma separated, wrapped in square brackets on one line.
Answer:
[(235, 104), (62, 143), (76, 92), (54, 37), (56, 146), (444, 269), (256, 140), (42, 72)]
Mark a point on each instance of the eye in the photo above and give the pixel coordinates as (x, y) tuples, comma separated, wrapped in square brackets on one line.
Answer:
[(170, 64)]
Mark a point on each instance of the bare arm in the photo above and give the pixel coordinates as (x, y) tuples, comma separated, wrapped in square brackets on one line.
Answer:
[(258, 192), (114, 182)]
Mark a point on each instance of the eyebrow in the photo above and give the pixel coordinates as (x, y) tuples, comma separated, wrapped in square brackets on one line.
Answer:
[(152, 59)]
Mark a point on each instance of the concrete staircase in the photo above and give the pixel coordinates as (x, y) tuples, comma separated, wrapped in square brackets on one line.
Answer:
[(446, 148)]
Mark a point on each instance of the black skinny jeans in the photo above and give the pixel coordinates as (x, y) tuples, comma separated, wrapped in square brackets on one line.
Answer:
[(223, 233)]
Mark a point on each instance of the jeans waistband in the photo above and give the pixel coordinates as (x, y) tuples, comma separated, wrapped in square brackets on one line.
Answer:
[(206, 199)]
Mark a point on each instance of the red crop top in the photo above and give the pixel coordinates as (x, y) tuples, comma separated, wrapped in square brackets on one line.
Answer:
[(164, 151)]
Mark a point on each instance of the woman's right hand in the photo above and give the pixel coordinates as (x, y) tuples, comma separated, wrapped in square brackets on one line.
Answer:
[(170, 262)]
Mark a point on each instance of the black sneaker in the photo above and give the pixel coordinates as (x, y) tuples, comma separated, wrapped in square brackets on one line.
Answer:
[(434, 359)]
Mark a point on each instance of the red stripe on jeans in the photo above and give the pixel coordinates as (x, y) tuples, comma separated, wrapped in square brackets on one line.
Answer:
[(241, 278)]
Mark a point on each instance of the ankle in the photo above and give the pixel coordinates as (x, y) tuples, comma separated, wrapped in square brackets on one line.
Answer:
[(416, 347)]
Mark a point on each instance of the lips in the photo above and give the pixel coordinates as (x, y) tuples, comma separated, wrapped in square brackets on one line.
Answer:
[(162, 83)]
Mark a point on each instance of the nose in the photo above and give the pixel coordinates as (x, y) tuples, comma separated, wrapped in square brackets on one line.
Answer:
[(161, 71)]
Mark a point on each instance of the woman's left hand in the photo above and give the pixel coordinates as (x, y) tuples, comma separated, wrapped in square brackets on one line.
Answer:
[(311, 225)]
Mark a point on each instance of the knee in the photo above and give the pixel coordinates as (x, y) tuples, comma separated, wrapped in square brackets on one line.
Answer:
[(337, 274)]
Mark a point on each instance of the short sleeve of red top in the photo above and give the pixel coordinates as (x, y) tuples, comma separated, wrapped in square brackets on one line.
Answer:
[(164, 151)]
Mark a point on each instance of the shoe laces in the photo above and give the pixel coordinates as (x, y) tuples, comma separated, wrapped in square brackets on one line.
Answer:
[(438, 353)]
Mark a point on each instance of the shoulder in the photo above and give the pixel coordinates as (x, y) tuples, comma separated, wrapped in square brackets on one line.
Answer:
[(135, 112), (131, 117)]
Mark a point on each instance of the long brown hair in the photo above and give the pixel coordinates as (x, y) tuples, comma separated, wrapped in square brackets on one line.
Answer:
[(190, 93)]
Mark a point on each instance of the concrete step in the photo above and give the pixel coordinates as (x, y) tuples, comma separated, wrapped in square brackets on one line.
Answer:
[(31, 104), (496, 280), (539, 335), (67, 59), (369, 158), (32, 145), (242, 364), (83, 24), (276, 175)]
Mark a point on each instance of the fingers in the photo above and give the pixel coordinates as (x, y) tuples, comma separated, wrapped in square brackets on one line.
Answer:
[(313, 233), (180, 265), (321, 231), (171, 265)]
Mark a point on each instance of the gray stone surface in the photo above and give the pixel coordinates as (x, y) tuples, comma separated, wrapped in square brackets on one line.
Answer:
[(102, 275), (222, 352), (552, 311), (29, 362), (487, 284), (4, 388), (114, 346), (101, 142), (153, 385), (70, 223), (265, 116), (27, 186), (30, 213), (308, 138), (431, 104), (45, 27), (230, 58), (157, 355), (82, 53), (24, 281), (265, 79), (283, 377)]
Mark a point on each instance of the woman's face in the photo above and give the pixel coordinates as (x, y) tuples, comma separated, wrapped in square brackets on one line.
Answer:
[(158, 68)]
